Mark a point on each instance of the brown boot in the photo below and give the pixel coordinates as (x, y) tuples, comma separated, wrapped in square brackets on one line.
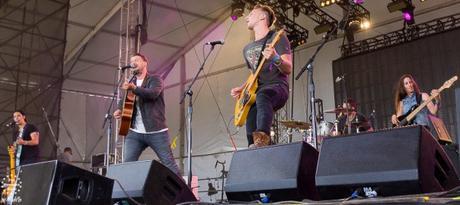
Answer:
[(260, 139)]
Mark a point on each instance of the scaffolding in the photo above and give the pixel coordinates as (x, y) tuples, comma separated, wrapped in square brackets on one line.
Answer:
[(129, 44), (33, 37), (404, 35)]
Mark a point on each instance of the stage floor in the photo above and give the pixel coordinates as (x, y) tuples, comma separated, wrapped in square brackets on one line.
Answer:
[(448, 197)]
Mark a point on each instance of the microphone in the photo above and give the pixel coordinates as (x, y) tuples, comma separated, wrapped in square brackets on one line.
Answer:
[(131, 65), (212, 43), (339, 78), (10, 124)]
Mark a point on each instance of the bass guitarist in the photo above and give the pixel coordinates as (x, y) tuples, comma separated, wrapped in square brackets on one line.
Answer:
[(273, 86), (408, 96), (148, 124)]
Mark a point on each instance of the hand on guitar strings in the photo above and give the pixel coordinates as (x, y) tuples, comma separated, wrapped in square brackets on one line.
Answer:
[(435, 92), (236, 92), (128, 86), (394, 119), (117, 114), (269, 52)]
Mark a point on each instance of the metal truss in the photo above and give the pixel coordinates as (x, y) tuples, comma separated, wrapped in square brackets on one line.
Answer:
[(31, 66), (402, 36), (312, 11)]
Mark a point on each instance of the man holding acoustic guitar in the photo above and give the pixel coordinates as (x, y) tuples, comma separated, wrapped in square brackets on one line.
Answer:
[(146, 117), (266, 90)]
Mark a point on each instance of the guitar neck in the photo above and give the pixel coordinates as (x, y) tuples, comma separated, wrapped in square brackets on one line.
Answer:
[(424, 104)]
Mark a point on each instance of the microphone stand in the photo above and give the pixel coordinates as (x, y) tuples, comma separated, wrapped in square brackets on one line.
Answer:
[(311, 85), (55, 141), (108, 118), (189, 92)]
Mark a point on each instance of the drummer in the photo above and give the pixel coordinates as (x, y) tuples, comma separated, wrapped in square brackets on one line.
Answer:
[(350, 121)]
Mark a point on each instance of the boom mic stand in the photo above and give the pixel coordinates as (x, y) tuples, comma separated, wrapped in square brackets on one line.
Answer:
[(189, 93), (108, 118), (311, 85)]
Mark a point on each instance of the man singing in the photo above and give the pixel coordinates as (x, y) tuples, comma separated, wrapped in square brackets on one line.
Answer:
[(148, 126)]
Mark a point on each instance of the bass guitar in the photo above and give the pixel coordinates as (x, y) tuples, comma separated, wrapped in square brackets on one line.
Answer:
[(248, 94), (407, 118)]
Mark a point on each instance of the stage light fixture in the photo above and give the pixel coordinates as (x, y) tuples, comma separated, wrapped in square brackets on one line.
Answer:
[(408, 15), (398, 5), (358, 1), (323, 28), (237, 9), (365, 24)]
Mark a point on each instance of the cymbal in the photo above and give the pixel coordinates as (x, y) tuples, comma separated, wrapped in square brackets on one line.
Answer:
[(295, 124), (338, 110)]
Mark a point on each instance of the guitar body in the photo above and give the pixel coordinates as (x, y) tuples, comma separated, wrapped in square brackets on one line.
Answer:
[(127, 113), (248, 95), (245, 101), (10, 189), (403, 121)]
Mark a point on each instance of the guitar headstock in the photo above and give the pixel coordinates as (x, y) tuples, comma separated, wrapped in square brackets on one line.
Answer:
[(449, 83)]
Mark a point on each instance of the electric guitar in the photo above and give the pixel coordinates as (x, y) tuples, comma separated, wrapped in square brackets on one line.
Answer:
[(407, 118), (248, 94), (12, 185)]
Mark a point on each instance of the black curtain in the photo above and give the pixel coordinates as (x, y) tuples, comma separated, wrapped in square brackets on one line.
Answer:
[(371, 78)]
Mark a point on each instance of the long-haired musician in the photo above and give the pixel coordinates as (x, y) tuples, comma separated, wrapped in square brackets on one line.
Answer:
[(408, 95), (272, 92)]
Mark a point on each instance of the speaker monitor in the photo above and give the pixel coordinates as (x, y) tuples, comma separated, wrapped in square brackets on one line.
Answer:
[(56, 183), (280, 172), (148, 182), (390, 162)]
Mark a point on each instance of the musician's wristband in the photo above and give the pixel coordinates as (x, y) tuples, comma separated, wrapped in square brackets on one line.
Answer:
[(276, 60)]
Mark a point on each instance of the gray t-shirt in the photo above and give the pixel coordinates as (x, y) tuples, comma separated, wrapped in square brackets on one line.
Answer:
[(269, 74)]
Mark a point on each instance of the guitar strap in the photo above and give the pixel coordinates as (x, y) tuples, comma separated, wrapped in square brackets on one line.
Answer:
[(269, 35), (418, 98)]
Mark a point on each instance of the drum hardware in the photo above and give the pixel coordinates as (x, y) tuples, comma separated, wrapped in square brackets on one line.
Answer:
[(339, 110), (295, 124)]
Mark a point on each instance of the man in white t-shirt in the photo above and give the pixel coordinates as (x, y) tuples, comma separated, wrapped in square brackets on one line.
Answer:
[(148, 126)]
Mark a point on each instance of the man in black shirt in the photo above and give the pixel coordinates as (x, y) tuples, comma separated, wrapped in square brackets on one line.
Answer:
[(27, 139), (273, 87)]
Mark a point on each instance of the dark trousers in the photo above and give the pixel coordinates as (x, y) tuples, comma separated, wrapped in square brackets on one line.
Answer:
[(269, 99)]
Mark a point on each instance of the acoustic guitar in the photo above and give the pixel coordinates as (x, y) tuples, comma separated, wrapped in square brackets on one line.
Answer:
[(407, 118), (128, 110), (248, 94)]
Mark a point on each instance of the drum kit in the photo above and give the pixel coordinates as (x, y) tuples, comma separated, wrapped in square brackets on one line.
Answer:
[(325, 128)]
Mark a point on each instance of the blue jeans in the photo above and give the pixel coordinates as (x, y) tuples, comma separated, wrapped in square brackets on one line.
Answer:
[(135, 143), (268, 99)]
